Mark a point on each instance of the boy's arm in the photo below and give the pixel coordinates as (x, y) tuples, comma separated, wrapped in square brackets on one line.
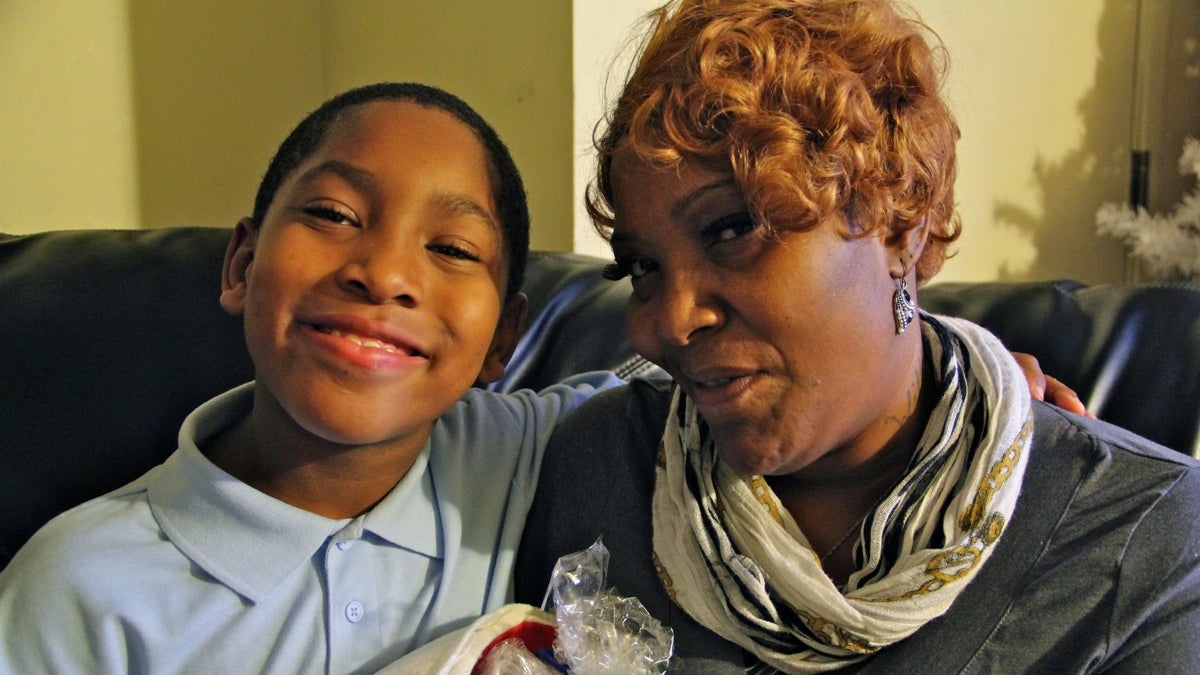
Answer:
[(592, 383), (509, 432), (1049, 389)]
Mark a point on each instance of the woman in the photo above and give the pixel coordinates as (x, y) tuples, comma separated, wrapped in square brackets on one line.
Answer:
[(835, 479)]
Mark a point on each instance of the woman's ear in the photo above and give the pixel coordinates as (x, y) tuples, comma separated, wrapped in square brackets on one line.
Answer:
[(907, 247), (504, 342), (236, 268)]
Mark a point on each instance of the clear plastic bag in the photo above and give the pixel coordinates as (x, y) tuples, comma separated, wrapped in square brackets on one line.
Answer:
[(591, 631), (599, 631)]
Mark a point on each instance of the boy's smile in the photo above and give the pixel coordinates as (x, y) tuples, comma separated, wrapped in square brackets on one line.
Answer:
[(373, 290), (366, 343)]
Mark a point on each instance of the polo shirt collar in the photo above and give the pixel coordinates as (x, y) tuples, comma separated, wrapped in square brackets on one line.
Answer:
[(408, 516), (251, 541)]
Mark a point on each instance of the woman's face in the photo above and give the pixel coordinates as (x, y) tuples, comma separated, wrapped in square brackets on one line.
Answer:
[(786, 343)]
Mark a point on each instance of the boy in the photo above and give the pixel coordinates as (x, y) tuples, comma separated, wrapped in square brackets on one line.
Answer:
[(359, 498)]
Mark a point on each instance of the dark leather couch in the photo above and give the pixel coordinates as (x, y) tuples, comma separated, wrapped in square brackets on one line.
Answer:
[(109, 338)]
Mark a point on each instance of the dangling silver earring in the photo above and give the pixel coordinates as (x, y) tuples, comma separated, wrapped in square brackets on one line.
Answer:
[(903, 307)]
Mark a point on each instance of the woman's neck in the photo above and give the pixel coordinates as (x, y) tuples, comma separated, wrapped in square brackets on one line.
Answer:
[(830, 498)]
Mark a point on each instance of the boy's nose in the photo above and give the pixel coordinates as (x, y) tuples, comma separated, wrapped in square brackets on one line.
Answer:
[(383, 271)]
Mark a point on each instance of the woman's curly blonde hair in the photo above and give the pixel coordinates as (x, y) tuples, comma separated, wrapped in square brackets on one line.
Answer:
[(817, 107)]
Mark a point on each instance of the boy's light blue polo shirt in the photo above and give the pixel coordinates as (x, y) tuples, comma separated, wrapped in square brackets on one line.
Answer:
[(188, 569)]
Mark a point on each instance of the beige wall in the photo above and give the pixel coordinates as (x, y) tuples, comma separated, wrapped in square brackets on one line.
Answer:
[(1042, 91), (152, 113), (66, 116), (510, 59), (217, 85)]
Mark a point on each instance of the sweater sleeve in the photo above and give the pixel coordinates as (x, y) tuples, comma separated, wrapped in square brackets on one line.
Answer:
[(1155, 624)]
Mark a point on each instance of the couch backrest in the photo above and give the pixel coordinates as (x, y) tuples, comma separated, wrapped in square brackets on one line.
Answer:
[(110, 338), (1131, 352)]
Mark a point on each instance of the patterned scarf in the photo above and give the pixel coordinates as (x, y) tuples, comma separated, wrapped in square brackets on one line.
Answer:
[(730, 554)]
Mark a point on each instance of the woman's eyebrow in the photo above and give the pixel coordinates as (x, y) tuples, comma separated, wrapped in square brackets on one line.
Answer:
[(680, 207)]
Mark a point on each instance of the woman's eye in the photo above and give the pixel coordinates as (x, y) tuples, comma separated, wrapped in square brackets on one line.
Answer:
[(640, 267), (634, 268), (331, 214), (728, 228)]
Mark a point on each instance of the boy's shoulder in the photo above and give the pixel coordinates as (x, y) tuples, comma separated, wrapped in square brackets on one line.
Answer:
[(99, 537)]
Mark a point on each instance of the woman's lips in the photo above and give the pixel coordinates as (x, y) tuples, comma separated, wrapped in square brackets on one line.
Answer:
[(713, 393)]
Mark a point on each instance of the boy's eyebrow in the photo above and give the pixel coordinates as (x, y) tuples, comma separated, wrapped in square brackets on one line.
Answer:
[(359, 178), (364, 180), (460, 204)]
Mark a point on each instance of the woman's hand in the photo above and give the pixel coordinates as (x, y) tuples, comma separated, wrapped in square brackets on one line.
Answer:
[(1049, 389)]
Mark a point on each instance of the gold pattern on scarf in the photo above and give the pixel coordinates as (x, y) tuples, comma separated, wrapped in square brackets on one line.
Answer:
[(973, 517), (668, 585), (829, 633), (983, 528), (762, 492)]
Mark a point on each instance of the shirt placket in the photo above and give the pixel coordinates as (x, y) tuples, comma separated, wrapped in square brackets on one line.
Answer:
[(353, 620)]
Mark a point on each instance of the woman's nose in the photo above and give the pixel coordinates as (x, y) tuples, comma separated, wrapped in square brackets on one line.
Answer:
[(382, 271), (687, 309)]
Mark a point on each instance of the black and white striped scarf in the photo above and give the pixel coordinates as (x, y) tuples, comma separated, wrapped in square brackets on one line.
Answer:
[(732, 556)]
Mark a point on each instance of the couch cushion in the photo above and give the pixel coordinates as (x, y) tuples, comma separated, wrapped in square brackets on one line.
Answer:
[(109, 339)]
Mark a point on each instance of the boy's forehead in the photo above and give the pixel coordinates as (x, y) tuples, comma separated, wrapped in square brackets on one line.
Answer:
[(377, 136), (395, 119), (363, 134)]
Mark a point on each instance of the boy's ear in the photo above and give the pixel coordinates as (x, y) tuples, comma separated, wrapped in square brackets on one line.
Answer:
[(504, 342), (234, 271)]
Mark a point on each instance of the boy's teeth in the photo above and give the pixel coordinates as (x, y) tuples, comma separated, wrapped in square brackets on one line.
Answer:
[(364, 341)]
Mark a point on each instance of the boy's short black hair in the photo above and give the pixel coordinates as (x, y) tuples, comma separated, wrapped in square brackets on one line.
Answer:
[(508, 190)]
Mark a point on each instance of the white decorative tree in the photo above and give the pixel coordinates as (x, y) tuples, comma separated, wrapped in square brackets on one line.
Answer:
[(1168, 245)]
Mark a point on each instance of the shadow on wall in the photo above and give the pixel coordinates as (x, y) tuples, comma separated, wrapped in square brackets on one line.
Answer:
[(1075, 185), (216, 86)]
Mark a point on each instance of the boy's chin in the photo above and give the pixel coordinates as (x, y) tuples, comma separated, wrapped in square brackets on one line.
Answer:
[(350, 418), (360, 438), (365, 431)]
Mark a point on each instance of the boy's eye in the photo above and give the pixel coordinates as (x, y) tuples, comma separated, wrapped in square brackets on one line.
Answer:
[(727, 228), (454, 251), (331, 214)]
